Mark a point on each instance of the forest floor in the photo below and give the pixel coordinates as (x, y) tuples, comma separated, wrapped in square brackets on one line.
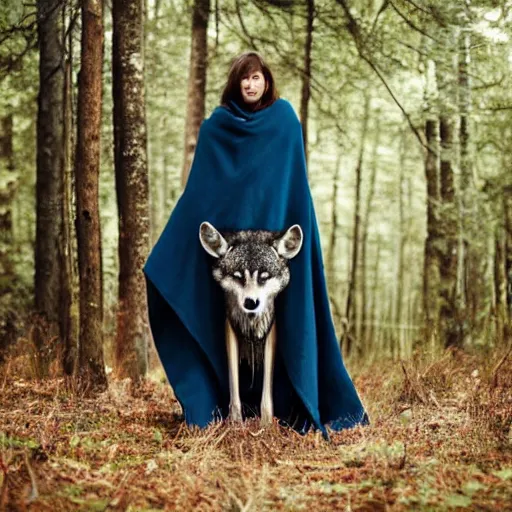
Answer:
[(440, 439)]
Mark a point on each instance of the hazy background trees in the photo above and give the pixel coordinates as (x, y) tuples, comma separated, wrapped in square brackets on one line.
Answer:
[(407, 116)]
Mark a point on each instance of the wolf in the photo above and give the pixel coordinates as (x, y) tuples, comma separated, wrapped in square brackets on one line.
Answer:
[(252, 269)]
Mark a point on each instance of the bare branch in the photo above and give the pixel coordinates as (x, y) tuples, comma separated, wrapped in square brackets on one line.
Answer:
[(410, 23), (354, 29), (418, 7)]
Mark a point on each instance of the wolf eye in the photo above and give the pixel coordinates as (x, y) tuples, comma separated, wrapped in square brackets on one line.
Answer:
[(237, 275), (263, 277)]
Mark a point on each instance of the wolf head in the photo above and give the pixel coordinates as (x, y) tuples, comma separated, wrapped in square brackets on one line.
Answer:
[(251, 266)]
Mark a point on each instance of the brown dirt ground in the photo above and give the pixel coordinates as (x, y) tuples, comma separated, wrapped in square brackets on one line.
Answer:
[(440, 439)]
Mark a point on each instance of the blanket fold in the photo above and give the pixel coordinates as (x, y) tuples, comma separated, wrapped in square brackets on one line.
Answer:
[(248, 172)]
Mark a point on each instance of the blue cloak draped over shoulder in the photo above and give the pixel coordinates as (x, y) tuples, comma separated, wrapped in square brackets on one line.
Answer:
[(248, 172)]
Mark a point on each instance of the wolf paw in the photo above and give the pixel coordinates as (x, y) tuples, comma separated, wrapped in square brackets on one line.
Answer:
[(266, 416), (235, 413)]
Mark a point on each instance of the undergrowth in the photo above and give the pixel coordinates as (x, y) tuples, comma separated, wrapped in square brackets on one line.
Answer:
[(440, 439)]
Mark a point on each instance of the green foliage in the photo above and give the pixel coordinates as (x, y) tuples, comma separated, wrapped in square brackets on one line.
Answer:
[(381, 52), (7, 442)]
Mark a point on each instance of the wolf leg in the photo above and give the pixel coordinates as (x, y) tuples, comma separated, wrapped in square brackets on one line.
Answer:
[(267, 405), (235, 405)]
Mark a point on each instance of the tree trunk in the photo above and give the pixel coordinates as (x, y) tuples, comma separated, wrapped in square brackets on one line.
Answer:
[(366, 315), (196, 82), (331, 254), (132, 187), (449, 318), (508, 259), (8, 185), (471, 282), (306, 77), (351, 309), (372, 328), (91, 368), (431, 275), (400, 250), (500, 284), (69, 291), (446, 76), (49, 255)]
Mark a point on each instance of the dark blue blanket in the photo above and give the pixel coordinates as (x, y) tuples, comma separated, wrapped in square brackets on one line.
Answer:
[(248, 172)]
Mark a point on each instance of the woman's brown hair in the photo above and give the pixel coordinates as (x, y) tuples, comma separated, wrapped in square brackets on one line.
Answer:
[(243, 65)]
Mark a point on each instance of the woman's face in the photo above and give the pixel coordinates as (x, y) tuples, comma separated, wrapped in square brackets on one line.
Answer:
[(252, 87)]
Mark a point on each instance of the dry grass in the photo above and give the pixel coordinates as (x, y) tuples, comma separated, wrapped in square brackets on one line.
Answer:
[(440, 439)]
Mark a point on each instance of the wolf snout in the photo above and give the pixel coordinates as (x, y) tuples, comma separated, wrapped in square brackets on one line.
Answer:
[(251, 304)]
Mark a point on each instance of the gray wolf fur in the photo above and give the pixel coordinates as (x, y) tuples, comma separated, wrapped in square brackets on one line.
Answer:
[(252, 269)]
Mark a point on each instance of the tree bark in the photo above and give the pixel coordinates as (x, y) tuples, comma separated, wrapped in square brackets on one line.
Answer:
[(132, 187), (431, 275), (8, 184), (331, 254), (196, 82), (349, 336), (446, 76), (449, 319), (306, 77), (91, 369), (500, 284), (372, 328), (366, 314), (49, 257), (471, 282), (400, 252), (508, 259), (69, 291)]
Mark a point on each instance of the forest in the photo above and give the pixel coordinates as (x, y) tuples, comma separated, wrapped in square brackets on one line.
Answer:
[(406, 114)]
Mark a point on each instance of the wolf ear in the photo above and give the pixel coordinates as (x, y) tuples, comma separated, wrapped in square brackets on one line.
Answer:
[(212, 241), (288, 246)]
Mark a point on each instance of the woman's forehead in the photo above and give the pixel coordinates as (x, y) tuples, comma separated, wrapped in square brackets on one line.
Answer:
[(252, 69)]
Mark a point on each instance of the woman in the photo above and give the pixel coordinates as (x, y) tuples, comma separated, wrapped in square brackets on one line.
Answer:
[(248, 172)]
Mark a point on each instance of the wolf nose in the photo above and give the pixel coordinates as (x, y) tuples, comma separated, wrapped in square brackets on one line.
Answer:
[(251, 304)]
